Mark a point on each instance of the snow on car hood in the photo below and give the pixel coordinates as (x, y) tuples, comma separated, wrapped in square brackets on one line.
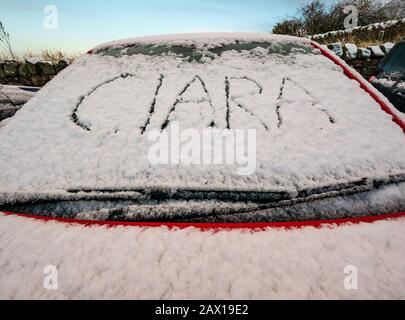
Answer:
[(88, 129), (158, 263)]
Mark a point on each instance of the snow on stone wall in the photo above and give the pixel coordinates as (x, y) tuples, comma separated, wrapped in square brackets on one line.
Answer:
[(364, 60), (376, 39), (389, 31)]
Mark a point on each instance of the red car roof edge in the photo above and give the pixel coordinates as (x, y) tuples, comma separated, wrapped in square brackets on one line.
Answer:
[(217, 226), (349, 72)]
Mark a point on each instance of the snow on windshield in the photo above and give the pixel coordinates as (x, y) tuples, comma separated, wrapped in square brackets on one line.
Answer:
[(88, 129)]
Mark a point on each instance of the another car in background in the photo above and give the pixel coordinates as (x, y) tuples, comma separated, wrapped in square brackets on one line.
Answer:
[(12, 98), (390, 77)]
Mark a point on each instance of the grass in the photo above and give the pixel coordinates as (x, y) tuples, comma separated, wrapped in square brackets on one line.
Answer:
[(46, 55)]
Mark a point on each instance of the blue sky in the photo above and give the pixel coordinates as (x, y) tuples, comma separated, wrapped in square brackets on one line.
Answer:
[(82, 24)]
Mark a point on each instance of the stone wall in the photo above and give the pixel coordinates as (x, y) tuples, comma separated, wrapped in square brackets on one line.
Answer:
[(29, 73), (390, 31), (364, 60), (364, 47), (366, 68), (38, 73)]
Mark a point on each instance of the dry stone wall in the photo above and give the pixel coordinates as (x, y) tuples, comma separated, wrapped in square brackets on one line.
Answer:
[(29, 73)]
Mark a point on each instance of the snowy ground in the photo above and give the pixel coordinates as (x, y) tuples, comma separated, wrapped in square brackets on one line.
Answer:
[(139, 263)]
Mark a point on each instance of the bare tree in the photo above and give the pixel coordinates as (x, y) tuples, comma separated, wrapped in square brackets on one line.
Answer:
[(291, 27), (395, 9), (369, 11), (315, 17), (5, 39)]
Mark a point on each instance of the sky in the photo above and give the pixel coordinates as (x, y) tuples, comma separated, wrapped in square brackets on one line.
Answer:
[(83, 24)]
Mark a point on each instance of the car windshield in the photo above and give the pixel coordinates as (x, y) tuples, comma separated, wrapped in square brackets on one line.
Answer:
[(192, 53), (214, 130), (395, 64)]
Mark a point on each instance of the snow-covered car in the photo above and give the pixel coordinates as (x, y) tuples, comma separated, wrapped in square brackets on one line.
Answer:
[(327, 148), (390, 76), (316, 131), (12, 98)]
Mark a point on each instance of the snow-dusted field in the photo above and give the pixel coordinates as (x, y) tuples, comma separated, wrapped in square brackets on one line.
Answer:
[(96, 262)]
